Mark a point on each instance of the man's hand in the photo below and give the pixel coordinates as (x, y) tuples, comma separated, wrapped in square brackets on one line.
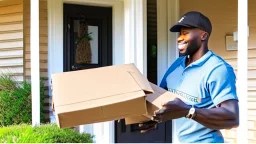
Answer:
[(225, 116), (171, 110), (147, 126)]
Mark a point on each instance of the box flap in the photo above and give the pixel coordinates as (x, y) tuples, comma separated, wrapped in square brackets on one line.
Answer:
[(154, 102), (139, 78), (156, 99)]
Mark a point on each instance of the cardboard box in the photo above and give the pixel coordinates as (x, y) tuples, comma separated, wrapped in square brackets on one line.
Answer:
[(154, 102), (99, 94)]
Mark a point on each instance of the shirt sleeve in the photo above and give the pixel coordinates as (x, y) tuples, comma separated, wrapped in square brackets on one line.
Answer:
[(222, 84), (163, 83)]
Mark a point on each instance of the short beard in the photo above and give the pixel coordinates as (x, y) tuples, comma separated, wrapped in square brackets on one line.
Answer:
[(192, 48)]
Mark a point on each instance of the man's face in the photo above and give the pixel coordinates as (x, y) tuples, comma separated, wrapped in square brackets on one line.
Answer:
[(189, 41)]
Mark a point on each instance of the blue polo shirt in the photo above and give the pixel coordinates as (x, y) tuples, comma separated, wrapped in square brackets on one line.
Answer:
[(205, 83)]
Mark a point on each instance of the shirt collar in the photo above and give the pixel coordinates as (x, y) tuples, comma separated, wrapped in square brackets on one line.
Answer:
[(200, 61)]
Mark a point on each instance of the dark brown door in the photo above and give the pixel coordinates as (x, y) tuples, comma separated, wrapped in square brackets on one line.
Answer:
[(87, 37), (131, 134)]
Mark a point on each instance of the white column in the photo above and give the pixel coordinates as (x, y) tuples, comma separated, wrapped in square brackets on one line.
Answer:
[(167, 15), (162, 39), (141, 35), (173, 16), (35, 73), (173, 53), (118, 33), (55, 40), (135, 33), (242, 62), (55, 37), (129, 22)]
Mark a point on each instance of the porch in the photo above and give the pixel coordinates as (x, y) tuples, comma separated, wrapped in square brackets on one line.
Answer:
[(40, 25)]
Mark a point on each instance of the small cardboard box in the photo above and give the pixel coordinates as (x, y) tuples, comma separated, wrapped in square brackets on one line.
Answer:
[(154, 102), (99, 94)]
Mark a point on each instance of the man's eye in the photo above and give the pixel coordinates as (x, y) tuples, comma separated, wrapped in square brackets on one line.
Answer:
[(183, 33)]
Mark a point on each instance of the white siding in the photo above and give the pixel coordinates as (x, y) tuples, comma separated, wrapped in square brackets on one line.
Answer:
[(11, 38)]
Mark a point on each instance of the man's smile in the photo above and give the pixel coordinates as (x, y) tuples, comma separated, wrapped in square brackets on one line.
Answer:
[(182, 45)]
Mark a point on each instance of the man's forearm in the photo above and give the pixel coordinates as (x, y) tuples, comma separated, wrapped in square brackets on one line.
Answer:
[(225, 116), (216, 118)]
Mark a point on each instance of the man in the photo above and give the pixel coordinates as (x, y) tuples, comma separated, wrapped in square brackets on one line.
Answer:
[(205, 83)]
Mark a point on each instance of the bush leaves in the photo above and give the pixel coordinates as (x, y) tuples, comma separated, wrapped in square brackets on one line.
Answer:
[(47, 133), (15, 101)]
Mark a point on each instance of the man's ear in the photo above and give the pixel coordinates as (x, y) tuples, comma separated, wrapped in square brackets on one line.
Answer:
[(204, 36)]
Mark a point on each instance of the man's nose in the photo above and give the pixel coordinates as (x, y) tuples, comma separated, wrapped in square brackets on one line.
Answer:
[(180, 38)]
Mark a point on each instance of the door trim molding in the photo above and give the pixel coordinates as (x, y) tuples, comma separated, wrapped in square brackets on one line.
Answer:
[(167, 15), (135, 21), (103, 21)]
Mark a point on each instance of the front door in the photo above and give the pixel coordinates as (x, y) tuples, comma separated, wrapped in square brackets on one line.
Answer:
[(87, 37)]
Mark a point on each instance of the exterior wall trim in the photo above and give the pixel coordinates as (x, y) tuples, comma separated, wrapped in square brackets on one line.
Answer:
[(242, 70), (35, 70), (167, 15)]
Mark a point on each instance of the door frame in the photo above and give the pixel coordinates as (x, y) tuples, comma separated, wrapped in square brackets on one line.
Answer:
[(104, 50), (129, 44)]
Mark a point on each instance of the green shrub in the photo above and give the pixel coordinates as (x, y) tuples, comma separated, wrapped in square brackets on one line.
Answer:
[(7, 82), (15, 101), (48, 133)]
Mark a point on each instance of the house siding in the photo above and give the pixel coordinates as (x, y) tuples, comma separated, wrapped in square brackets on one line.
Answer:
[(11, 38), (223, 15), (43, 47)]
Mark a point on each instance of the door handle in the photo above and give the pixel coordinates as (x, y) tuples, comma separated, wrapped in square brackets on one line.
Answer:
[(74, 67)]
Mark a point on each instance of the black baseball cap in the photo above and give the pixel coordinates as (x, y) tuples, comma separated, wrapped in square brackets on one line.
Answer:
[(193, 19)]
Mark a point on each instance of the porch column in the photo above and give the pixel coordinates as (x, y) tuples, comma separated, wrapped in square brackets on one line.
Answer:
[(242, 60), (35, 73), (141, 35)]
